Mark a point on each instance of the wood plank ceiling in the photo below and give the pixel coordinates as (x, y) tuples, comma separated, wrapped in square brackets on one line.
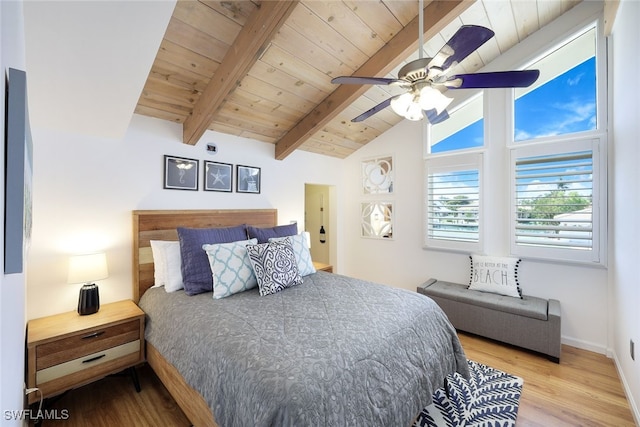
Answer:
[(263, 70)]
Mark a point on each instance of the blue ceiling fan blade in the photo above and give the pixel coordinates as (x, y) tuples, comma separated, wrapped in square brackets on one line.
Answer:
[(465, 41), (434, 117), (370, 112), (492, 80), (365, 80)]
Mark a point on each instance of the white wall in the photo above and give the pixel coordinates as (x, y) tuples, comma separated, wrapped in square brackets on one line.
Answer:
[(12, 287), (625, 197), (85, 189)]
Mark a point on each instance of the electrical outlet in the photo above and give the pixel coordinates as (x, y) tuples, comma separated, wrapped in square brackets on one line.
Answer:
[(632, 350)]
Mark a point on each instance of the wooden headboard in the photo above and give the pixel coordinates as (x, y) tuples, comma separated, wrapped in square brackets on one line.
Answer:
[(162, 225)]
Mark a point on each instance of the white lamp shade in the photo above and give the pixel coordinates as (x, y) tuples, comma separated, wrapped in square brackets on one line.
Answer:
[(401, 103), (87, 268), (431, 98), (407, 106), (414, 112)]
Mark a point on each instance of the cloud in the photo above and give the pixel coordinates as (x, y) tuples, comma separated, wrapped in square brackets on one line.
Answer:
[(573, 113), (575, 80), (562, 118)]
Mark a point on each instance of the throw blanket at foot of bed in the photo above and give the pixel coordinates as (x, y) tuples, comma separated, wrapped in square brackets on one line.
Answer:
[(489, 399), (528, 322)]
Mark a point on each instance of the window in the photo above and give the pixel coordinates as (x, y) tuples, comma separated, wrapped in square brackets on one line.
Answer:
[(463, 129), (563, 99), (557, 157), (555, 203), (453, 203), (540, 153)]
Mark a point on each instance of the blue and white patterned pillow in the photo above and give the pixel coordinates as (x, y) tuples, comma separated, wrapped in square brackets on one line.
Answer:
[(300, 248), (274, 265), (230, 267)]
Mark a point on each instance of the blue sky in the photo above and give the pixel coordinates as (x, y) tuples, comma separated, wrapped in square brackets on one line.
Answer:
[(563, 105)]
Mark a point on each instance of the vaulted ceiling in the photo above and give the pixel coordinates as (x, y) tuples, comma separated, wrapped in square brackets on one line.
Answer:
[(263, 69)]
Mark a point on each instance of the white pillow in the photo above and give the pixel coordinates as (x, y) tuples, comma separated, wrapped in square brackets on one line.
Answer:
[(498, 275), (167, 264), (230, 267), (300, 247)]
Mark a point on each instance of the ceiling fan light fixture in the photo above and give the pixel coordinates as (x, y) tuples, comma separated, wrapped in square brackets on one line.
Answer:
[(431, 99), (400, 104), (407, 106), (414, 113)]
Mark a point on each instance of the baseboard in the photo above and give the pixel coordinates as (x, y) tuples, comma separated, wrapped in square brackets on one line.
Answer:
[(585, 345), (627, 390)]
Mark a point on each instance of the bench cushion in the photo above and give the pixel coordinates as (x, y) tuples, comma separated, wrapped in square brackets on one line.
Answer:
[(528, 306)]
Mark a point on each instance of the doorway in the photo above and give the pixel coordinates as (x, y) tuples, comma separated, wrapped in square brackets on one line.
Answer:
[(317, 219)]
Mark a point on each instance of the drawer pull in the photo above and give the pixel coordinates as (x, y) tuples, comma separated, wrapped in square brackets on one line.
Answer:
[(93, 335), (93, 359)]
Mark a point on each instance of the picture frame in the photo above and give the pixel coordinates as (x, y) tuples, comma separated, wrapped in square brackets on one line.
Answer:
[(180, 173), (18, 174), (248, 179), (218, 176), (376, 219), (377, 175)]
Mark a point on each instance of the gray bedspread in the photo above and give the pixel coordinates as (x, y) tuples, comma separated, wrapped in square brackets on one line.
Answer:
[(334, 351)]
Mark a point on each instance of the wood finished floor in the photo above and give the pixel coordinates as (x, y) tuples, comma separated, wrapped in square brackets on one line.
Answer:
[(583, 390)]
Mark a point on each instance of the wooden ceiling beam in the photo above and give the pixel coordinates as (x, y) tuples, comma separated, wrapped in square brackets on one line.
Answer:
[(437, 15), (252, 40)]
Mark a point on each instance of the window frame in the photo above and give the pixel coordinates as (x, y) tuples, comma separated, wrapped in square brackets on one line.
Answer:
[(571, 142), (596, 254), (459, 104), (462, 162)]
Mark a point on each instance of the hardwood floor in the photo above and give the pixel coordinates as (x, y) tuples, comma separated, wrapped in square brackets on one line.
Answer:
[(583, 390), (113, 401)]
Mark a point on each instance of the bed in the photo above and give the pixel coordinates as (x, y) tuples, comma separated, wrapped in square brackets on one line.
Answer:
[(331, 351)]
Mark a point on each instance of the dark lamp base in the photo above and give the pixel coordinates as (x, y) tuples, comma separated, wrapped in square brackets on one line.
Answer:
[(89, 299)]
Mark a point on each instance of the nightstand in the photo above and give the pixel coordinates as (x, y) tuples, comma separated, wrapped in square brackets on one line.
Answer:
[(323, 267), (67, 350)]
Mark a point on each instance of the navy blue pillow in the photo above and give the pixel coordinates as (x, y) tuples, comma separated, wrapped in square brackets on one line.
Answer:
[(196, 271), (264, 234)]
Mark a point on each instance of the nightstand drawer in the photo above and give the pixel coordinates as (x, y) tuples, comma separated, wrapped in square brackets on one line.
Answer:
[(85, 343), (88, 361)]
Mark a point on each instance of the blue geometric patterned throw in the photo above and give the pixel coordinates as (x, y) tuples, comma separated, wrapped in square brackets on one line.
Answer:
[(489, 399)]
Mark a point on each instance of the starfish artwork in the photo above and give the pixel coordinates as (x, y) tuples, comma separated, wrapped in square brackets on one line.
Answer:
[(218, 177)]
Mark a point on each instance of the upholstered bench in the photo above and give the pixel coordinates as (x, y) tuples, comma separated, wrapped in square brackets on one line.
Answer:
[(532, 323)]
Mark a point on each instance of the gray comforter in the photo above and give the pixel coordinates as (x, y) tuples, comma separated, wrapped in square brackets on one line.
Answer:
[(334, 351)]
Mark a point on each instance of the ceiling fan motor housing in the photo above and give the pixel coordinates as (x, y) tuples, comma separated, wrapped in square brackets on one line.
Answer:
[(415, 70)]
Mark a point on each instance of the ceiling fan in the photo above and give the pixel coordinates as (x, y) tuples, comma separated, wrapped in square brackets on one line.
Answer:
[(425, 78)]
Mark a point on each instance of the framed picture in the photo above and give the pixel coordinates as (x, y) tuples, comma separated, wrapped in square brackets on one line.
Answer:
[(18, 174), (376, 219), (248, 178), (180, 173), (218, 176), (377, 175)]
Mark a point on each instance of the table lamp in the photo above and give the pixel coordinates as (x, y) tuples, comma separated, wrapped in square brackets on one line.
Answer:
[(87, 269)]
